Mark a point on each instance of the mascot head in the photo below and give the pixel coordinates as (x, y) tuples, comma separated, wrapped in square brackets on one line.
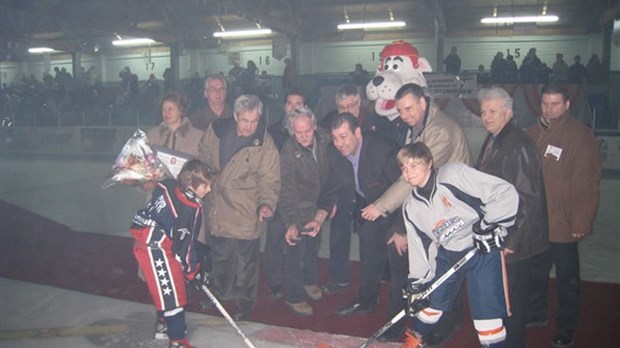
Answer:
[(400, 64)]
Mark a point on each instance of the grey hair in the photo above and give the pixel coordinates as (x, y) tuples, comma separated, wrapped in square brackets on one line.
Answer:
[(216, 78), (348, 90), (496, 93), (296, 114), (248, 102)]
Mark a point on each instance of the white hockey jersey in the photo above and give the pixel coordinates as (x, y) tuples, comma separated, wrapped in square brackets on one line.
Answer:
[(459, 197)]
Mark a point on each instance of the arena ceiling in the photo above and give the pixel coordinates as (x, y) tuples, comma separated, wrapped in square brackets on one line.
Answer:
[(91, 25)]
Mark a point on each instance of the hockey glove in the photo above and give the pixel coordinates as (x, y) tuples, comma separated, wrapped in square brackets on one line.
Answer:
[(489, 239), (200, 278), (413, 294)]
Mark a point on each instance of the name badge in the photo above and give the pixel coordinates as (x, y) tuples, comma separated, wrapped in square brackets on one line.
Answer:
[(553, 152)]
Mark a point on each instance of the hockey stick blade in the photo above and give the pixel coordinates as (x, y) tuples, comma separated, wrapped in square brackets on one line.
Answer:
[(424, 294), (227, 316)]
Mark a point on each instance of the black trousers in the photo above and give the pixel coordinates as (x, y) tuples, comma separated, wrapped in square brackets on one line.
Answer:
[(301, 268), (340, 230), (521, 275), (373, 257), (235, 269), (565, 258), (273, 258)]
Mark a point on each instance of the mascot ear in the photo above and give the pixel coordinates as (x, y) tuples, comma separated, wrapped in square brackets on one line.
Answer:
[(424, 65)]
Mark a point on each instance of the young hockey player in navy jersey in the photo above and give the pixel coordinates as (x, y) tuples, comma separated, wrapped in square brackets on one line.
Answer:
[(451, 210), (165, 233)]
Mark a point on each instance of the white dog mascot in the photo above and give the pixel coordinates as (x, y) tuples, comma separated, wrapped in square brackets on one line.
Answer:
[(400, 64)]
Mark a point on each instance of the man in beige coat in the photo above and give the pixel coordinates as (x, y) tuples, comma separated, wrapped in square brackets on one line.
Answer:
[(447, 143), (242, 199)]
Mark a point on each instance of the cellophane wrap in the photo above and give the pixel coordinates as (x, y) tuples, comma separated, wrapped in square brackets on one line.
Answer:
[(136, 163)]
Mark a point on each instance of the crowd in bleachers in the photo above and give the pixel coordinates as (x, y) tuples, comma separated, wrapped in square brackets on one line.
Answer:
[(64, 100), (532, 69)]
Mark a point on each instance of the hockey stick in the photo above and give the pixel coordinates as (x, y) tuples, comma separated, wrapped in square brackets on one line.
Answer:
[(230, 320), (423, 294)]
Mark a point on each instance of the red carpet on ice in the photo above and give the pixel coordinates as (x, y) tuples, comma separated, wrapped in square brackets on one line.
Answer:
[(39, 250)]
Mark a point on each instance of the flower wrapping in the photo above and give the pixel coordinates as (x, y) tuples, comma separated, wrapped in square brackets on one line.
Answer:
[(136, 163)]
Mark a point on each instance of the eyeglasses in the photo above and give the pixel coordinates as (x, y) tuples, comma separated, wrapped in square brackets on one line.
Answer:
[(349, 107)]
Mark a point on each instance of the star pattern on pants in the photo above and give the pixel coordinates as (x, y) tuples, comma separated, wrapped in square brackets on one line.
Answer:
[(162, 274)]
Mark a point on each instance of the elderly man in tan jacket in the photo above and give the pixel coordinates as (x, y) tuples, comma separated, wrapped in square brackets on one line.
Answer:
[(242, 199)]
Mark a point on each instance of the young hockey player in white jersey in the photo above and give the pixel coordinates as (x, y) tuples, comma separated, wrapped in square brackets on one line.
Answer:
[(451, 210)]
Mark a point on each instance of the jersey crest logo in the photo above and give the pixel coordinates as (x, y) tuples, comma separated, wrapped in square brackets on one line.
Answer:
[(446, 203), (447, 227)]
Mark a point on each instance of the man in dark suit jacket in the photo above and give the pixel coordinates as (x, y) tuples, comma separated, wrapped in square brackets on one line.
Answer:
[(361, 168)]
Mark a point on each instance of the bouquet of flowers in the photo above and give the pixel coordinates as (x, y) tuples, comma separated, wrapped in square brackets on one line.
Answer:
[(136, 163)]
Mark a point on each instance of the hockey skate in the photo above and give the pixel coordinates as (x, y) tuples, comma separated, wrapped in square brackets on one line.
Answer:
[(161, 330), (411, 341)]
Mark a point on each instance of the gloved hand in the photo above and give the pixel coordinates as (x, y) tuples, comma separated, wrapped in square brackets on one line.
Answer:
[(200, 278), (413, 294), (489, 239)]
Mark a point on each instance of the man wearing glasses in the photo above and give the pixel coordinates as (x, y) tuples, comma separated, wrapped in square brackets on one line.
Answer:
[(216, 107)]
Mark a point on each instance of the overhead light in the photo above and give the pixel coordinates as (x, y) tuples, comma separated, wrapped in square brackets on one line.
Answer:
[(241, 33), (41, 50), (520, 19), (134, 42), (372, 25)]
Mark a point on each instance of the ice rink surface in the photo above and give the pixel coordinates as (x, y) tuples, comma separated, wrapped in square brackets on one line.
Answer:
[(68, 191)]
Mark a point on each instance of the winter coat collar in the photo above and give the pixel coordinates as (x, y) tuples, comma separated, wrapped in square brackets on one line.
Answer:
[(221, 126)]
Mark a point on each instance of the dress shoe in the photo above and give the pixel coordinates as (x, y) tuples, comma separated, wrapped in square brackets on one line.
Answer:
[(353, 308), (300, 308), (333, 287), (562, 339), (314, 292)]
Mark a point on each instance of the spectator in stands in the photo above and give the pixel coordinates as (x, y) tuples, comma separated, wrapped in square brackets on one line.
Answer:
[(151, 88), (531, 67), (215, 108), (234, 73), (243, 199), (452, 62), (482, 76), (274, 242), (594, 70), (288, 75), (359, 75), (498, 68), (195, 91), (512, 72), (559, 69), (263, 85), (577, 71), (247, 79), (168, 80), (545, 73)]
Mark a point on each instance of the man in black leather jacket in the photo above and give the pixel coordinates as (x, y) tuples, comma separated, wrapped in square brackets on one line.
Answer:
[(509, 153)]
